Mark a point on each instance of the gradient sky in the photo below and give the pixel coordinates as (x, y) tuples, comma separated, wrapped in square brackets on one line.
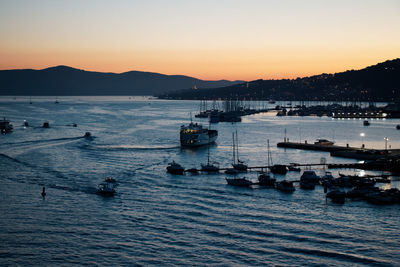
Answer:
[(219, 39)]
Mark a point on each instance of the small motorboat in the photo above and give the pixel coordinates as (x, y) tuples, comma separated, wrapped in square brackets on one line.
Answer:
[(265, 179), (46, 124), (106, 189), (242, 182), (293, 167), (337, 196), (5, 126), (175, 168), (398, 126), (285, 186), (310, 176), (366, 123), (307, 185), (109, 179), (279, 169), (323, 142)]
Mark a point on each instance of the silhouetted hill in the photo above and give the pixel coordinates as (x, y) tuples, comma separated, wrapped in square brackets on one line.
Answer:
[(380, 82), (64, 80)]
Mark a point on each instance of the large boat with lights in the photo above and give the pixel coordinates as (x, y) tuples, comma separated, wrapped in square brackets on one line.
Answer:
[(195, 134)]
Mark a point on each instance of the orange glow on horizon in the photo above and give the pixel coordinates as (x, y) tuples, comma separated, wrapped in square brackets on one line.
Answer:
[(249, 40)]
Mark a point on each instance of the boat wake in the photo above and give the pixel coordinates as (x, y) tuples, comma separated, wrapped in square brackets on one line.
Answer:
[(135, 147), (41, 141)]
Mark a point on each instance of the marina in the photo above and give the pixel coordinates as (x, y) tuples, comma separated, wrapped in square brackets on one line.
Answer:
[(134, 140)]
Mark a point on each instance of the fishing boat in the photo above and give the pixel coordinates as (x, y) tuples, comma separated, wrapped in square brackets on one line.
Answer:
[(175, 168), (194, 135), (285, 186), (242, 182), (106, 189), (5, 126), (237, 164)]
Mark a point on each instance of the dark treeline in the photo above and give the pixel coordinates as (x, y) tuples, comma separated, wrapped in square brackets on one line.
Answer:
[(380, 82)]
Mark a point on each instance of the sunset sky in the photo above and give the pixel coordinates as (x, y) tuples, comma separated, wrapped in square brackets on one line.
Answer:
[(219, 39)]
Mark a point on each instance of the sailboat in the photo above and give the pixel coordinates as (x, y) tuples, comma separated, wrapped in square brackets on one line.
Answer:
[(209, 167), (264, 178), (237, 164)]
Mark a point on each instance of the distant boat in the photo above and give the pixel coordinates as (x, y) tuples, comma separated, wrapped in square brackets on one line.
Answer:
[(106, 189), (56, 102), (175, 168), (5, 126), (214, 116), (366, 123), (46, 124), (398, 126), (242, 182), (323, 142), (271, 101)]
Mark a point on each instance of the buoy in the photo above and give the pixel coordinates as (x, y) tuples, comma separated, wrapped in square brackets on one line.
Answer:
[(44, 192)]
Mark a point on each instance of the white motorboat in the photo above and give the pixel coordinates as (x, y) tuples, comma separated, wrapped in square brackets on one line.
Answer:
[(195, 134)]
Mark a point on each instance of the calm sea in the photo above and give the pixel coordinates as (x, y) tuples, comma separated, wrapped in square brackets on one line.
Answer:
[(161, 219)]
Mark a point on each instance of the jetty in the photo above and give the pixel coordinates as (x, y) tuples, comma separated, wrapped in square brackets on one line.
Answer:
[(347, 151)]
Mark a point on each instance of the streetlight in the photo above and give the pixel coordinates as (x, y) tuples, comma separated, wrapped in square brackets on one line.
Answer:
[(386, 141), (362, 138)]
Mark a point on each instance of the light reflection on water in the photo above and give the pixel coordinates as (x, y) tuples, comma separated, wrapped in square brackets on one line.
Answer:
[(157, 218)]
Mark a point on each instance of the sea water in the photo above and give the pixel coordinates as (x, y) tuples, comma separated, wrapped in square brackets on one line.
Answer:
[(157, 218)]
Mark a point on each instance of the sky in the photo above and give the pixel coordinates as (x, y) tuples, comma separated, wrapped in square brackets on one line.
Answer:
[(218, 39)]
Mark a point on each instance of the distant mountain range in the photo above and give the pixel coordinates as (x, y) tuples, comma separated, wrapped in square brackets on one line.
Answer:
[(380, 82), (64, 80)]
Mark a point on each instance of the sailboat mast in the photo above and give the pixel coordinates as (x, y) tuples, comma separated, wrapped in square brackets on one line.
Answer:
[(237, 148), (233, 148)]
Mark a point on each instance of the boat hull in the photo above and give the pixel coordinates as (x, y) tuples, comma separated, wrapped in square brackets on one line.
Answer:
[(199, 140)]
